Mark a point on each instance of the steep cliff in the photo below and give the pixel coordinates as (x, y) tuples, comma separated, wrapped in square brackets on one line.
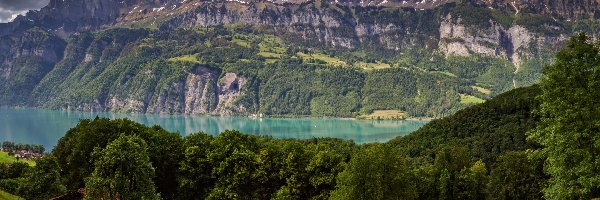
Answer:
[(215, 57)]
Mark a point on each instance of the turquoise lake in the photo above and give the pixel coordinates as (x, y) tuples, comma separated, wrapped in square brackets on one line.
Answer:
[(39, 126)]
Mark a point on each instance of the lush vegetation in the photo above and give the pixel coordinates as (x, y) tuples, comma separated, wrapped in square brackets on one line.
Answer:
[(505, 148), (149, 66), (8, 146), (144, 68), (530, 143), (462, 157), (5, 157), (7, 196), (569, 129)]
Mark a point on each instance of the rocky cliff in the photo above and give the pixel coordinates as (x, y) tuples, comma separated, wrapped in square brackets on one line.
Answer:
[(129, 53)]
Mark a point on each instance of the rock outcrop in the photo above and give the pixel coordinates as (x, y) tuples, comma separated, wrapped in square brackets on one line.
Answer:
[(201, 92), (511, 43), (40, 40)]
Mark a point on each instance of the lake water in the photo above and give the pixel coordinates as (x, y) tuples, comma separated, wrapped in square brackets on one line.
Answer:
[(39, 126)]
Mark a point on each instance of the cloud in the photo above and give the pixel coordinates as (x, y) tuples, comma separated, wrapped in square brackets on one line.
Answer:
[(9, 9)]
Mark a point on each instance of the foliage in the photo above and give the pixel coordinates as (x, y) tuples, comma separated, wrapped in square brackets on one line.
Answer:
[(376, 172), (73, 151), (5, 158), (8, 146), (6, 196), (195, 170), (13, 170), (482, 17), (122, 171), (569, 128), (152, 66), (43, 182), (487, 129), (517, 175)]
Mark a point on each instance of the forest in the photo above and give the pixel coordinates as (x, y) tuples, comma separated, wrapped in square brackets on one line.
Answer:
[(283, 77), (538, 142)]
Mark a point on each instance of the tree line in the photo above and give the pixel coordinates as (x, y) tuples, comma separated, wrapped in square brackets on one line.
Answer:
[(10, 147)]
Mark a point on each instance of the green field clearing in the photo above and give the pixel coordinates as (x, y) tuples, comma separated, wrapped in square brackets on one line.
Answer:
[(262, 47), (186, 58), (6, 196), (370, 66), (271, 61), (385, 114), (241, 43), (5, 158), (271, 48), (271, 43), (468, 99), (481, 89), (269, 55), (445, 73), (322, 57)]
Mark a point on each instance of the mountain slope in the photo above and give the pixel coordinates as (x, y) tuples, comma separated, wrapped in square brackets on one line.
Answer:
[(488, 129), (199, 57)]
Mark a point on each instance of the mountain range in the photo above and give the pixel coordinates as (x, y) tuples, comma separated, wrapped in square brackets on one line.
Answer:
[(427, 58)]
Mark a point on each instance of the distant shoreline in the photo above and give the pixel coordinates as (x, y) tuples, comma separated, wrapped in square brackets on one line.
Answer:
[(253, 116)]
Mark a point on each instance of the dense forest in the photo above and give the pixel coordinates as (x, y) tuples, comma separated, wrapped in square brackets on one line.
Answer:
[(154, 71), (539, 142)]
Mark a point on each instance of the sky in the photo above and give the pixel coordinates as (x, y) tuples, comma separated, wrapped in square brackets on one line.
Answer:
[(9, 9)]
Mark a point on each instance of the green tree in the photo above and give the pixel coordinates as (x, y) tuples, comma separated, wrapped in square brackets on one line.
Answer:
[(74, 149), (472, 182), (195, 171), (294, 164), (449, 162), (570, 127), (516, 176), (269, 162), (43, 182), (165, 150), (376, 172), (233, 158), (322, 169), (122, 171)]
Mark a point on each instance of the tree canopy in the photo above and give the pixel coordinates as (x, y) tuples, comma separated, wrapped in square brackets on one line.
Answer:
[(122, 170), (570, 126)]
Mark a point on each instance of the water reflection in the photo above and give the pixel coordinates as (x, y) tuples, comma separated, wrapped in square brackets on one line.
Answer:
[(47, 126)]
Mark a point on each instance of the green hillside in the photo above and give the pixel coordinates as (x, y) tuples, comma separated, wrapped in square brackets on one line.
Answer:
[(5, 158), (488, 129), (7, 196), (150, 67)]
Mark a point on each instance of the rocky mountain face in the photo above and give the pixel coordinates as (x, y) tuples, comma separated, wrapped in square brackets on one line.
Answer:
[(567, 9), (44, 54)]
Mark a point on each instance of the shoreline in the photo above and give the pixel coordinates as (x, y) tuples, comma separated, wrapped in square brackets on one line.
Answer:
[(252, 116)]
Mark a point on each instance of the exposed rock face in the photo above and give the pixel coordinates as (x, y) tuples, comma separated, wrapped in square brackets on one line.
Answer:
[(457, 38), (513, 43), (230, 88), (569, 9), (32, 43), (200, 93), (520, 41), (39, 40)]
